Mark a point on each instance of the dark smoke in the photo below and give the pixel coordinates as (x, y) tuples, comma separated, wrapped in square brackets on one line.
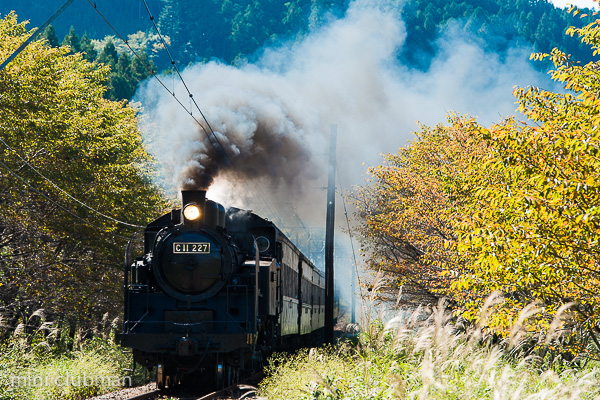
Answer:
[(269, 152), (273, 118), (263, 132), (202, 169)]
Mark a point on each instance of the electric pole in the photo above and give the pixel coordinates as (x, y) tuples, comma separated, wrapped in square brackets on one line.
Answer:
[(329, 229)]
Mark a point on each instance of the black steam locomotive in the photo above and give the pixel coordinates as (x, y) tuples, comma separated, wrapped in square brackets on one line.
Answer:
[(216, 292)]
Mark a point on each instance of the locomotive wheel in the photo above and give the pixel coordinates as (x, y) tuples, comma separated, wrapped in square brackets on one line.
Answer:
[(234, 375), (225, 374)]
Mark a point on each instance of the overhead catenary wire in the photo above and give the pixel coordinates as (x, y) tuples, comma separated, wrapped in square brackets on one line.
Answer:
[(150, 70), (65, 193), (191, 96), (15, 53), (160, 81), (349, 232), (216, 143)]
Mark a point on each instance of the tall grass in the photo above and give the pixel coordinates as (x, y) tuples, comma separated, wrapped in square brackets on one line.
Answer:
[(421, 355), (40, 361)]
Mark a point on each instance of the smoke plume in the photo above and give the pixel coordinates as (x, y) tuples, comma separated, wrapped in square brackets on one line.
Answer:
[(272, 119), (256, 132)]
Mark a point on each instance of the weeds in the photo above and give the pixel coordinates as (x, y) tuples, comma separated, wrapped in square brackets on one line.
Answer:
[(41, 361), (424, 356)]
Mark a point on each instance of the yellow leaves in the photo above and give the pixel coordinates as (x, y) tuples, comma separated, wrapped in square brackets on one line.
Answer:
[(538, 56), (513, 208), (534, 232), (54, 116), (411, 208)]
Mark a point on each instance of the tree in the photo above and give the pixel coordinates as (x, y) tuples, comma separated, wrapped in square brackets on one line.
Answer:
[(126, 73), (534, 233), (142, 68), (410, 211), (109, 55), (50, 35), (87, 48), (72, 40), (124, 83), (58, 131)]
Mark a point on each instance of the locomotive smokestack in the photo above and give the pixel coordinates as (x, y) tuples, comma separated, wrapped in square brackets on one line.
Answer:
[(193, 204), (196, 209), (193, 196)]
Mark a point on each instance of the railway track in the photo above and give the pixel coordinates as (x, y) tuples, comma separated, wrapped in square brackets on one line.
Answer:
[(238, 391), (245, 389), (154, 394)]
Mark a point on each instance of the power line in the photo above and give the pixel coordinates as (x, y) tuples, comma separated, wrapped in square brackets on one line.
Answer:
[(150, 70), (60, 205), (162, 40), (35, 34), (189, 112), (65, 193)]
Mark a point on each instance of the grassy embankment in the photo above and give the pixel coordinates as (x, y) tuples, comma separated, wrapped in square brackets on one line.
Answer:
[(414, 358), (41, 361)]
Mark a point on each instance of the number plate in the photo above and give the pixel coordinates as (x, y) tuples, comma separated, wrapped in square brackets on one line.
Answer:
[(191, 248)]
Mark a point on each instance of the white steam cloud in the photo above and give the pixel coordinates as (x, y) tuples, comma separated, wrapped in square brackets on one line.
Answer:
[(273, 118)]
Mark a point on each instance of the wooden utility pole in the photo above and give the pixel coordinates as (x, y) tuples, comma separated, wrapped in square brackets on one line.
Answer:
[(329, 229)]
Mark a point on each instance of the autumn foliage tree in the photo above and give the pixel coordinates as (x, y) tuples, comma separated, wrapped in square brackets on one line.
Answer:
[(533, 234), (70, 182), (466, 211), (411, 208)]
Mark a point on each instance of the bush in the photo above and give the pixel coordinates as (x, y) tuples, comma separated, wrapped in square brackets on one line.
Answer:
[(39, 365), (431, 359)]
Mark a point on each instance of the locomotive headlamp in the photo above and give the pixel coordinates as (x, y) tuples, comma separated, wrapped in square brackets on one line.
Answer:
[(191, 212)]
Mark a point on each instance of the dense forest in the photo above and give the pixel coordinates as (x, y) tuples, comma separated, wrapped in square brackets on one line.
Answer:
[(239, 29), (231, 29)]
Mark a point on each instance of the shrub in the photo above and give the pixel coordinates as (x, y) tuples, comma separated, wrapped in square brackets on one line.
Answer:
[(409, 358)]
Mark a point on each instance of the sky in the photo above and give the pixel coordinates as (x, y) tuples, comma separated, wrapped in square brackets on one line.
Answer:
[(578, 3)]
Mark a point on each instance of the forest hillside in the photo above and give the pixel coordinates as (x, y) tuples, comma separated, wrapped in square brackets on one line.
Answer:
[(226, 30)]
